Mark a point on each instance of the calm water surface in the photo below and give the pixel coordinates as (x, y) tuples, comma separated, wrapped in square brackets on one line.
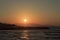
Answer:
[(22, 35)]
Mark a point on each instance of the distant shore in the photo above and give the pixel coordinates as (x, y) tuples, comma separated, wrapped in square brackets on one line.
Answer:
[(4, 26)]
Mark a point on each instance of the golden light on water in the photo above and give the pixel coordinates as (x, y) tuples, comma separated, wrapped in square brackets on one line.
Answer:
[(25, 35)]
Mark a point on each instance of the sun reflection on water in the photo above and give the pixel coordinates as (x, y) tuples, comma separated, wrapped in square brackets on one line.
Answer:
[(25, 35)]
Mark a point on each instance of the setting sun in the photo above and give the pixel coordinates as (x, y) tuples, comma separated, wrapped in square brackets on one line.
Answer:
[(25, 20)]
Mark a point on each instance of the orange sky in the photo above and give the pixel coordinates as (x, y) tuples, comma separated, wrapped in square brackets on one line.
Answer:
[(37, 12)]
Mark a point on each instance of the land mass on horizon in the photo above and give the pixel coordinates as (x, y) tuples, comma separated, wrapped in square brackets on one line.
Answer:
[(4, 26)]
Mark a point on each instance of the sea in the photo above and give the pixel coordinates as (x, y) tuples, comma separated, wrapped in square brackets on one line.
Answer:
[(50, 34), (21, 35)]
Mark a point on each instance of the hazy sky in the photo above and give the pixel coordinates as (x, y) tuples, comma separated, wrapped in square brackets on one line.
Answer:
[(36, 11)]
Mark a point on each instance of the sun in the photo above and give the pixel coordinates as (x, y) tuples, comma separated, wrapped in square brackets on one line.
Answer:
[(25, 20)]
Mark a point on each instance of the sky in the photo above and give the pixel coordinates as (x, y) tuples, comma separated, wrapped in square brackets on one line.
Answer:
[(44, 12)]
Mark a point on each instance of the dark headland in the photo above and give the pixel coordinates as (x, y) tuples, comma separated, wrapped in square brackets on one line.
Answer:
[(4, 26)]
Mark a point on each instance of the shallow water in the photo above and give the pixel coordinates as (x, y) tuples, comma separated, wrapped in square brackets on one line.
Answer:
[(29, 35), (22, 35)]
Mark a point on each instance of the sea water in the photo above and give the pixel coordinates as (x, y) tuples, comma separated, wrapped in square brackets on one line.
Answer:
[(29, 35), (22, 35)]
